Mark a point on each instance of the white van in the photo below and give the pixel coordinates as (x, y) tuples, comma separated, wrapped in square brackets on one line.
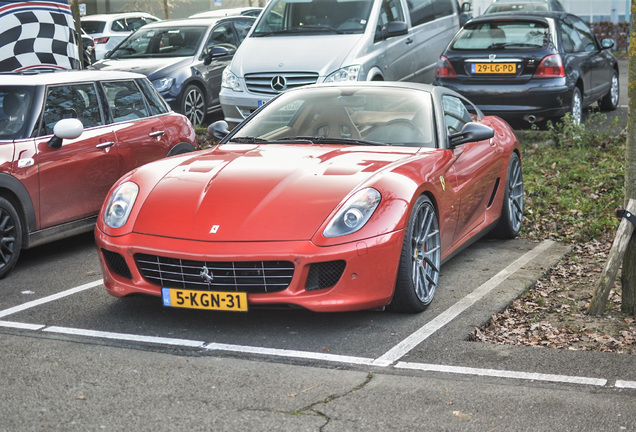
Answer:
[(300, 42)]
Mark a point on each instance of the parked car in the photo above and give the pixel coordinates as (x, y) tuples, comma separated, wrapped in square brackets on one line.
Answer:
[(184, 59), (108, 30), (524, 6), (349, 199), (220, 13), (533, 65), (300, 42), (65, 138)]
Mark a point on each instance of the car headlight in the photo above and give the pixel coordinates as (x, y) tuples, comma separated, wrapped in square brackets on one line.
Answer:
[(163, 84), (230, 80), (120, 204), (349, 73), (354, 213)]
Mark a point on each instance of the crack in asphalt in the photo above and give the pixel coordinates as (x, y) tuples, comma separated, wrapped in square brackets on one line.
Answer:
[(310, 410)]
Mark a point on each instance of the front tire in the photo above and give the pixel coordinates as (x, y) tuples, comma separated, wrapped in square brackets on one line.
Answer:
[(509, 223), (193, 104), (609, 102), (420, 260), (10, 237)]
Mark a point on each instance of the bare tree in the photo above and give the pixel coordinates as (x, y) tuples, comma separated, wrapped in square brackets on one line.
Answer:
[(628, 274)]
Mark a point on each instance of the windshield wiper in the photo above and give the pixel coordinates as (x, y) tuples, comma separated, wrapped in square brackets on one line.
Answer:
[(300, 29), (248, 140), (327, 140)]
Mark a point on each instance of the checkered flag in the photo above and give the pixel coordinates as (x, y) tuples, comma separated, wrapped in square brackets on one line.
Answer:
[(37, 35)]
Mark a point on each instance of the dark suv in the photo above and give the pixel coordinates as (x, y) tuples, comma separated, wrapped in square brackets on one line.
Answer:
[(531, 65), (65, 138)]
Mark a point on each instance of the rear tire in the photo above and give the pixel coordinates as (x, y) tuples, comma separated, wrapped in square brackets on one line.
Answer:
[(10, 237), (509, 223), (420, 260), (576, 106)]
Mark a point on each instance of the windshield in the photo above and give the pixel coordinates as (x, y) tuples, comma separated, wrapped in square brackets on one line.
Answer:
[(314, 17), (160, 42), (344, 115), (505, 35), (15, 104)]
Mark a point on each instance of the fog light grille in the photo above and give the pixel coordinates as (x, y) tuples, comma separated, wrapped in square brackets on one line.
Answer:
[(116, 263), (324, 274)]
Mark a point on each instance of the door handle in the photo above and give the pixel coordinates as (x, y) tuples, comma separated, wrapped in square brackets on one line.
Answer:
[(106, 144), (156, 133), (409, 41)]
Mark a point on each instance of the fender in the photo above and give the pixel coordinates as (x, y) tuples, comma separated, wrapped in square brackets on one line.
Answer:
[(16, 188)]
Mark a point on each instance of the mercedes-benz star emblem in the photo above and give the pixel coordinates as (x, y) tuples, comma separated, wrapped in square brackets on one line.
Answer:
[(279, 83), (206, 274)]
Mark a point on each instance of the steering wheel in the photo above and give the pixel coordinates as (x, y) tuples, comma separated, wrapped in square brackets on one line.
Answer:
[(396, 130)]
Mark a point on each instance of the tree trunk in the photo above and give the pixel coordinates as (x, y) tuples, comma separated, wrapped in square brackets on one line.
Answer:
[(628, 274)]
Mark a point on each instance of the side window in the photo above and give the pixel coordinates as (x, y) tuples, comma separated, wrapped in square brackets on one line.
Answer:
[(443, 8), (155, 101), (71, 101), (588, 39), (421, 11), (224, 36), (242, 27), (125, 100), (456, 114), (390, 10)]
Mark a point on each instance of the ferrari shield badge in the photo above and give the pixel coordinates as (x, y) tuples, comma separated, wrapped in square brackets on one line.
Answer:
[(443, 182)]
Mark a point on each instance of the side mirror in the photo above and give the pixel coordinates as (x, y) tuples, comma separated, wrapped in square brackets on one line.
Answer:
[(607, 43), (69, 128), (395, 28), (219, 129), (216, 51), (471, 132), (466, 7)]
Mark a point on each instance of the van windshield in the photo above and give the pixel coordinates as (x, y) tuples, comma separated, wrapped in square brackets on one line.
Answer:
[(284, 17)]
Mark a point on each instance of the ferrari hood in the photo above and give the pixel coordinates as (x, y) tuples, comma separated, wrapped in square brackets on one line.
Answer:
[(258, 193)]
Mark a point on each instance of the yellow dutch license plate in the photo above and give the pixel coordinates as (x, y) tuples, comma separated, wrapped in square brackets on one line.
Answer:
[(494, 68), (210, 300)]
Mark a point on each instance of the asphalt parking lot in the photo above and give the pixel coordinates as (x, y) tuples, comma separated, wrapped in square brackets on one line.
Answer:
[(74, 358)]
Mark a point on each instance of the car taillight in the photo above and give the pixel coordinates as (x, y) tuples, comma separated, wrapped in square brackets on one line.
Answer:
[(550, 67), (101, 40), (444, 69)]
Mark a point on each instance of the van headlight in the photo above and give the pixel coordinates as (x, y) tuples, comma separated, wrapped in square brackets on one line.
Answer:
[(120, 204), (354, 214), (230, 80), (349, 73)]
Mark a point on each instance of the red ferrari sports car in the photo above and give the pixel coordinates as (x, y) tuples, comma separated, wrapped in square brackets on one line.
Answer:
[(329, 197)]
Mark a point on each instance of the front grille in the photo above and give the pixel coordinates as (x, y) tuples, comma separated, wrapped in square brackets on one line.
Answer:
[(324, 274), (248, 276), (116, 263), (262, 82)]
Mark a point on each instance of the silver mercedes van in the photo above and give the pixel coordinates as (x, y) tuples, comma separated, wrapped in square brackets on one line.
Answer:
[(299, 42)]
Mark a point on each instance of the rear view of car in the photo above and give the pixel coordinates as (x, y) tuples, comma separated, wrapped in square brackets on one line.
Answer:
[(524, 6), (108, 30), (530, 66)]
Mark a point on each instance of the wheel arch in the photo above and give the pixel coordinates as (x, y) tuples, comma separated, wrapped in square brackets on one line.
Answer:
[(182, 147), (14, 191)]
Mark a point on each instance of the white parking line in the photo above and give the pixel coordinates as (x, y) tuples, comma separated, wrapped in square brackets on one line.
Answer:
[(125, 337), (48, 299), (290, 353), (406, 345), (625, 384), (600, 382)]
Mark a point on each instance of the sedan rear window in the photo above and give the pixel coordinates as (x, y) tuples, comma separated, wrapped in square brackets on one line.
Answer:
[(503, 35)]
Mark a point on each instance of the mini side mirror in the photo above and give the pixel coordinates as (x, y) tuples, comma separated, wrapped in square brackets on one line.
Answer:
[(471, 132), (69, 128), (607, 43)]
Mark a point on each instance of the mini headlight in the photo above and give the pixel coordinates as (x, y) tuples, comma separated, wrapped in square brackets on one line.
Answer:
[(163, 84), (120, 205), (230, 80), (354, 213), (349, 73)]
